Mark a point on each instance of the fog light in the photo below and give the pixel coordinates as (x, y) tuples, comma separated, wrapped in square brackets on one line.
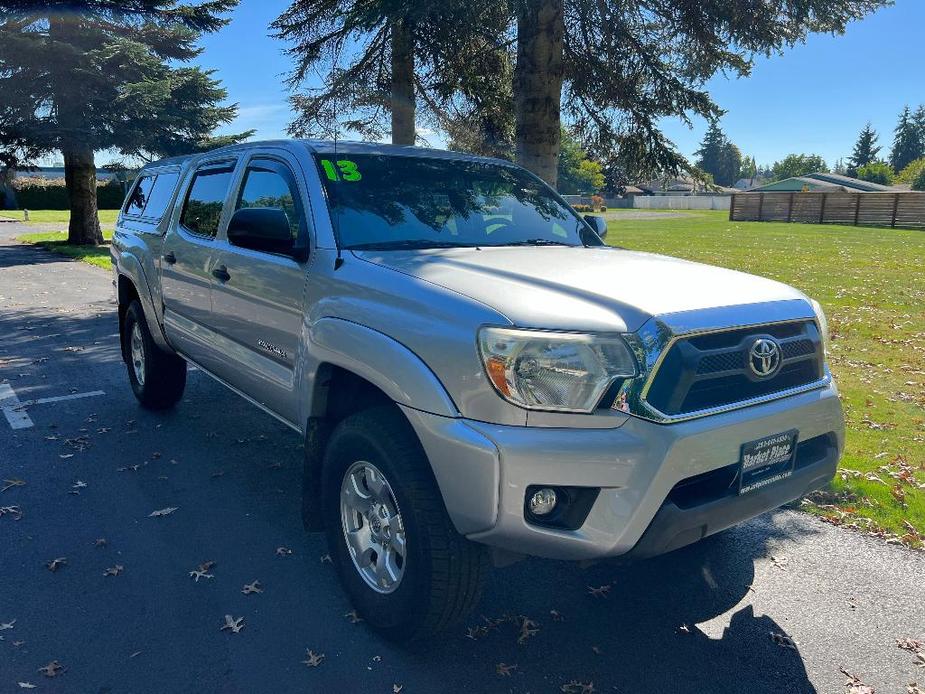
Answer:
[(543, 501)]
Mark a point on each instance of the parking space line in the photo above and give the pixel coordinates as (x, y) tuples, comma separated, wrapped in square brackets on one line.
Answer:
[(14, 410)]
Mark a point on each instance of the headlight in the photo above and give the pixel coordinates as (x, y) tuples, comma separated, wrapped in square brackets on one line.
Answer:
[(823, 323), (553, 371)]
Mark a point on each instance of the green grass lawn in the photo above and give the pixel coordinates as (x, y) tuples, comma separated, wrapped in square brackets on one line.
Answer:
[(871, 282), (107, 217), (57, 241)]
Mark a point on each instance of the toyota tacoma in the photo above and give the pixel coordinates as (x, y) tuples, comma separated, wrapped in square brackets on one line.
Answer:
[(476, 375)]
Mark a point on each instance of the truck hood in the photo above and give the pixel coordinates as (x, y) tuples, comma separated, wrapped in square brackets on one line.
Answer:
[(563, 288)]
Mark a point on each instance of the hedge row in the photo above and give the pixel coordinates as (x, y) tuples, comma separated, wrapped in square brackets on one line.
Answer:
[(50, 194)]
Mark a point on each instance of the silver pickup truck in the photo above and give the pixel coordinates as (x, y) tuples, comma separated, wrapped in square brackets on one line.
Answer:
[(476, 375)]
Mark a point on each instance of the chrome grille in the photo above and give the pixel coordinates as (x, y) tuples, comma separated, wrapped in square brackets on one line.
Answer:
[(707, 371)]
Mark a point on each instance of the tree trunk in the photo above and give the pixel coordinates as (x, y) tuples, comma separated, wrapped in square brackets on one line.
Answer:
[(80, 179), (79, 165), (538, 86), (403, 132)]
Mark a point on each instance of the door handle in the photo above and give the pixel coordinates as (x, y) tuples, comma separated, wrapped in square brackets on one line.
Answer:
[(170, 258), (221, 273)]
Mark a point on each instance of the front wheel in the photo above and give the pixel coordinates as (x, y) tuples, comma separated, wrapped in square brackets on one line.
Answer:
[(158, 378), (406, 569)]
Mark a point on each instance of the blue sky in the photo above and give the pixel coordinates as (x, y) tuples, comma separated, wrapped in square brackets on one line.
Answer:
[(815, 98)]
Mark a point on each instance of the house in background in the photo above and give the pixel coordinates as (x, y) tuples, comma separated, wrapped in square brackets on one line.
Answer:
[(821, 182), (747, 183)]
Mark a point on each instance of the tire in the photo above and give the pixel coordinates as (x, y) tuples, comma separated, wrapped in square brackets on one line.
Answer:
[(442, 573), (159, 381)]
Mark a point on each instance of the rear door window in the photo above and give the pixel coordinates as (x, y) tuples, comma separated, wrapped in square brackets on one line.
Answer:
[(202, 209), (270, 184)]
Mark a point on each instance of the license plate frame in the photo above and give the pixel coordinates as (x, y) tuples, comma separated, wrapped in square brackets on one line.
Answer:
[(767, 460)]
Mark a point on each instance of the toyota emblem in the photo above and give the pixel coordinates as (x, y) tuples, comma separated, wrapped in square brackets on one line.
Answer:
[(764, 357)]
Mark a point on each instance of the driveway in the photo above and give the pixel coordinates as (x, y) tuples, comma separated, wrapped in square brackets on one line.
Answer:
[(780, 604)]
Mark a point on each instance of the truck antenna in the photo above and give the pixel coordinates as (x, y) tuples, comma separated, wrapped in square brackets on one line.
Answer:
[(339, 260)]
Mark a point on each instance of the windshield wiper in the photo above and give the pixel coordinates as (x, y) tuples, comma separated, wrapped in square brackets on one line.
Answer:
[(407, 244), (536, 242)]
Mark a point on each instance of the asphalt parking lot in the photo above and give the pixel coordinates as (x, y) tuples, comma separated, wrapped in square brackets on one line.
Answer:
[(782, 604)]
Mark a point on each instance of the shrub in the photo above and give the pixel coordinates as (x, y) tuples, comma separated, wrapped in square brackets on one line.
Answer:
[(919, 182), (597, 201), (911, 172), (876, 172), (35, 193)]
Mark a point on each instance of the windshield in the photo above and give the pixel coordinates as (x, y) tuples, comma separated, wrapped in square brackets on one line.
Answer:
[(391, 202)]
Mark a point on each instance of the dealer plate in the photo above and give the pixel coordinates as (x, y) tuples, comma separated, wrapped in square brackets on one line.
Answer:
[(767, 460)]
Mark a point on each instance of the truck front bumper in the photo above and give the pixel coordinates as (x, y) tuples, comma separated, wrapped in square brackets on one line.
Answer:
[(661, 486)]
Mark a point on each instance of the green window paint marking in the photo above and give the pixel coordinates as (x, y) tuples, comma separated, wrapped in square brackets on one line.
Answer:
[(345, 170)]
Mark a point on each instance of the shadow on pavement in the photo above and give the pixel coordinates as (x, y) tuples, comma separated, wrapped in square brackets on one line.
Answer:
[(233, 472)]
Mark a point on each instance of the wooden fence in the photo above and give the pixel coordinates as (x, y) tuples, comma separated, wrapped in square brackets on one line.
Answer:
[(871, 209)]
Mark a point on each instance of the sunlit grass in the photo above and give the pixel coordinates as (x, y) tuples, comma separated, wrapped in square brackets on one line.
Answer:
[(107, 217), (57, 241)]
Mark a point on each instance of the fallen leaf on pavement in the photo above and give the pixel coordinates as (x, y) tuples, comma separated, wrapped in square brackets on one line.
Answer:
[(254, 587), (779, 563), (100, 542), (913, 688), (325, 558), (56, 564), (528, 628), (505, 670), (913, 645), (11, 483), (163, 512), (576, 687), (353, 617), (53, 669), (313, 659), (600, 591), (114, 570), (196, 574), (396, 688), (556, 616), (283, 551), (854, 685), (14, 511), (26, 685), (783, 640), (232, 624), (7, 625)]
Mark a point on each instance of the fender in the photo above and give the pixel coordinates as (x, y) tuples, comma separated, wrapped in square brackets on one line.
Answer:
[(381, 360), (132, 269)]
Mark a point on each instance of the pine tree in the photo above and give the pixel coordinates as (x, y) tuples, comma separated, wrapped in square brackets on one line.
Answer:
[(719, 157), (918, 119), (108, 75), (907, 142), (615, 69), (865, 150), (402, 62)]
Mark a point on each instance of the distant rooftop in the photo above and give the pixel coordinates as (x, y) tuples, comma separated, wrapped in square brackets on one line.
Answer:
[(822, 181)]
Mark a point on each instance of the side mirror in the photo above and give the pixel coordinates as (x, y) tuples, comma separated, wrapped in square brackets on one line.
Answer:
[(599, 224), (261, 229)]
